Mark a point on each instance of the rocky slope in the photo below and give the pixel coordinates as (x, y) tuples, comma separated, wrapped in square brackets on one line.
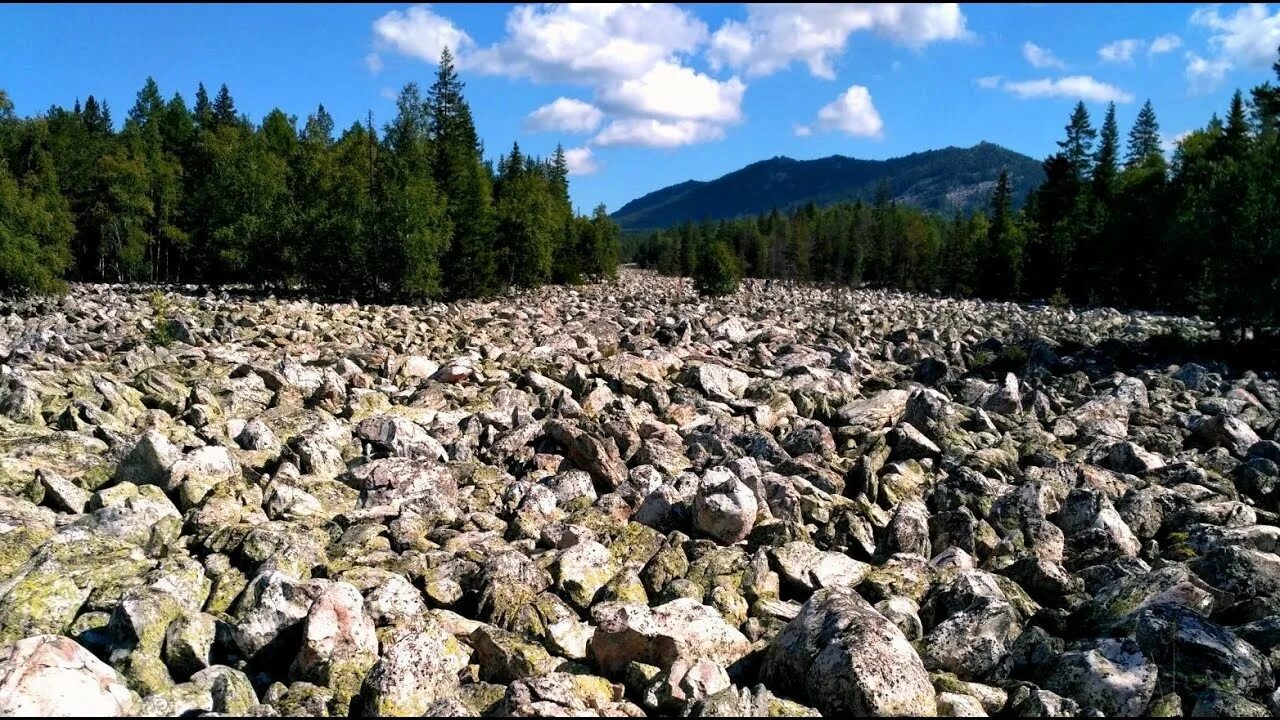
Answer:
[(624, 500)]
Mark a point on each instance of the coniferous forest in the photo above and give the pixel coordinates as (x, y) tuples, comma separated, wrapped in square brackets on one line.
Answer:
[(1116, 222), (200, 194)]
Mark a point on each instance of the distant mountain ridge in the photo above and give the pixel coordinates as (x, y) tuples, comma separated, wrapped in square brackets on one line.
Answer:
[(941, 180)]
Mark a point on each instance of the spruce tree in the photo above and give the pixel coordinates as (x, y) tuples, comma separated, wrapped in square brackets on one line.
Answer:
[(1078, 145), (718, 271), (146, 108), (470, 265), (411, 207), (1004, 242), (1236, 132), (560, 176), (96, 117), (203, 109), (1144, 137), (1105, 165), (224, 108)]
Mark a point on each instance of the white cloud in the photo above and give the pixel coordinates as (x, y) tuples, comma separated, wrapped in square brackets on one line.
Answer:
[(580, 161), (1123, 51), (1120, 51), (1076, 87), (988, 82), (652, 133), (1040, 57), (1206, 74), (631, 55), (1164, 44), (388, 94), (588, 43), (803, 130), (418, 32), (775, 35), (565, 115), (675, 92), (1170, 143), (1247, 37), (851, 113), (374, 62)]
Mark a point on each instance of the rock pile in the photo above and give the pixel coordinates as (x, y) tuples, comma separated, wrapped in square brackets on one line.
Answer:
[(626, 500)]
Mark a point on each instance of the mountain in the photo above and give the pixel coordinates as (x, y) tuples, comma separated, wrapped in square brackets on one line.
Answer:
[(942, 180)]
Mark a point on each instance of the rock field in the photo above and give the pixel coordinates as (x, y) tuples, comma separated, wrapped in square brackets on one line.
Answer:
[(625, 500)]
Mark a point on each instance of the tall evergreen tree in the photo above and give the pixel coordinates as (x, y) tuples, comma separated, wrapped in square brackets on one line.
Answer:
[(1078, 145), (203, 109), (96, 117), (1105, 166), (313, 173), (146, 108), (412, 208), (1236, 132), (1004, 242), (224, 108), (1144, 137), (470, 264)]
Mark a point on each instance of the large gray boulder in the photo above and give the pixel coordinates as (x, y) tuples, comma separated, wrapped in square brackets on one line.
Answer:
[(847, 659), (724, 507), (52, 676)]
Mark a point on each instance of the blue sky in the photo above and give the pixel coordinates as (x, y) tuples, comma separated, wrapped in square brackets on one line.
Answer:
[(649, 96)]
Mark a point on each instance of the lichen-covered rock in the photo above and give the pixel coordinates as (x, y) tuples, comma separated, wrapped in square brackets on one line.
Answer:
[(339, 644), (415, 669), (272, 604), (149, 461), (505, 657), (733, 505), (1114, 677), (682, 630), (724, 508), (845, 657), (582, 570), (716, 381), (188, 644)]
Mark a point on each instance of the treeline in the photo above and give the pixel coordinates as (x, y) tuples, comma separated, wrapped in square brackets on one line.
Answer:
[(1124, 226), (203, 195)]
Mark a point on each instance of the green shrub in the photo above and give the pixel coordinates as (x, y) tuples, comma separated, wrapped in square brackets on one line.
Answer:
[(717, 272), (161, 333)]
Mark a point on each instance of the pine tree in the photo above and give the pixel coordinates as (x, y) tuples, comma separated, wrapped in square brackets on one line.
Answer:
[(410, 204), (1004, 242), (880, 259), (470, 265), (1144, 137), (718, 271), (1078, 145), (203, 109), (560, 176), (319, 127), (1105, 165), (177, 126), (146, 108), (1236, 132), (144, 137), (96, 118), (224, 109)]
